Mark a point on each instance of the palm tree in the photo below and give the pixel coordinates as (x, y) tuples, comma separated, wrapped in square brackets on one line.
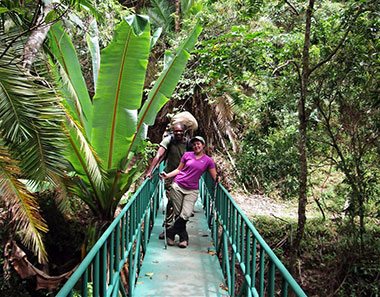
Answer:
[(30, 147)]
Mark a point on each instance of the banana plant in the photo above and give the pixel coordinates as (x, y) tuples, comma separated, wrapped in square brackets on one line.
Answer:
[(106, 133)]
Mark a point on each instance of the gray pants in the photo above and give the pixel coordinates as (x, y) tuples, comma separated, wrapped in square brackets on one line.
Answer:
[(183, 201)]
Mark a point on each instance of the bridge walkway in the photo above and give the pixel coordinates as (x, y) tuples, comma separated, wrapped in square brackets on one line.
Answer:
[(194, 271)]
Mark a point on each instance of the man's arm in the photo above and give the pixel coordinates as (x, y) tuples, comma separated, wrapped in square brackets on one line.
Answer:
[(156, 160)]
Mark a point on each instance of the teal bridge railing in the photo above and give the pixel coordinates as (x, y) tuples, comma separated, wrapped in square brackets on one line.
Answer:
[(112, 266), (239, 244)]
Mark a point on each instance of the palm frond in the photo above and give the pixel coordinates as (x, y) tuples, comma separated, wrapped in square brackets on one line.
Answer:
[(62, 191), (27, 220), (68, 86), (14, 123), (224, 109), (31, 122), (84, 152)]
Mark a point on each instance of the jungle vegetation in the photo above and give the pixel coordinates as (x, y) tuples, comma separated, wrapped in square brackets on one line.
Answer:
[(291, 87)]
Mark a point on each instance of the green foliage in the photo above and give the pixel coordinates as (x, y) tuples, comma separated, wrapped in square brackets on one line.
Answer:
[(273, 162), (255, 58), (328, 250), (161, 14), (347, 113), (251, 57), (90, 290), (112, 14)]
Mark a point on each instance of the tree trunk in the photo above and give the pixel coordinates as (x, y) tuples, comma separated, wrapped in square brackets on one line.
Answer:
[(302, 128), (177, 17), (38, 36)]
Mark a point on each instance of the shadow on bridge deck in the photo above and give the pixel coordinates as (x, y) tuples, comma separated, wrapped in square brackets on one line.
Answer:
[(181, 272)]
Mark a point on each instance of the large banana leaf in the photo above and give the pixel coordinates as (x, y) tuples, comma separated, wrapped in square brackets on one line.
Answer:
[(161, 14), (92, 39), (79, 101), (119, 90), (78, 108)]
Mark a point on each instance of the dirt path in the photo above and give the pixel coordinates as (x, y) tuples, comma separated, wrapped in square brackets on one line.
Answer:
[(252, 204), (262, 205)]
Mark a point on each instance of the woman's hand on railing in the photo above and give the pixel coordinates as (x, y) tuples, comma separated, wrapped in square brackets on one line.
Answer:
[(163, 175), (218, 179)]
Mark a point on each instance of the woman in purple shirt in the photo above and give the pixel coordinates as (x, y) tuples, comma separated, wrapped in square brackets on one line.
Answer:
[(184, 191)]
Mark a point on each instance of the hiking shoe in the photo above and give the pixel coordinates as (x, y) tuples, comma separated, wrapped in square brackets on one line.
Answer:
[(183, 244), (170, 241), (162, 235)]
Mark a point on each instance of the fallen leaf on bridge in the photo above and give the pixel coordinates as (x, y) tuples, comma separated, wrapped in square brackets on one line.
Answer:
[(149, 274), (223, 286)]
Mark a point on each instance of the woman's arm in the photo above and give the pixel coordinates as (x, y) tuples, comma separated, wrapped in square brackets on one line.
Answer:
[(213, 173), (174, 172)]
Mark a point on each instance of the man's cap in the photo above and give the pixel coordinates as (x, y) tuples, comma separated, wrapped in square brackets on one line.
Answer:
[(198, 138)]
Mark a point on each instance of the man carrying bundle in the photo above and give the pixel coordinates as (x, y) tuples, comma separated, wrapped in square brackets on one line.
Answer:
[(171, 149)]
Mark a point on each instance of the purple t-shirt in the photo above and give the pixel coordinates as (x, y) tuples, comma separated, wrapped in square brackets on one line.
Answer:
[(190, 174)]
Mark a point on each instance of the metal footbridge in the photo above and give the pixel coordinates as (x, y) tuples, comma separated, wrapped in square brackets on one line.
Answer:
[(226, 255)]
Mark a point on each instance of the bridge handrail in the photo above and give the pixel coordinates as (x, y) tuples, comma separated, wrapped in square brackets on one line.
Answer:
[(120, 243), (235, 234)]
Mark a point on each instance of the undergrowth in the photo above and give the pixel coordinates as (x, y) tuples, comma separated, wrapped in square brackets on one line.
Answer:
[(63, 243), (333, 261)]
